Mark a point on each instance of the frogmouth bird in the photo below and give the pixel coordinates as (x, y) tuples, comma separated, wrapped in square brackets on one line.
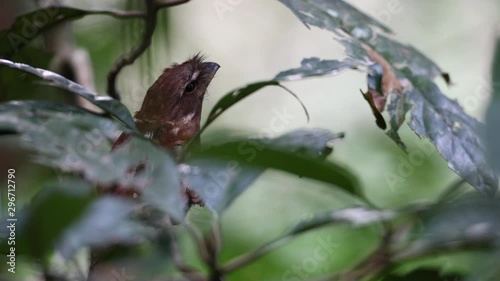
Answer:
[(170, 114), (171, 111)]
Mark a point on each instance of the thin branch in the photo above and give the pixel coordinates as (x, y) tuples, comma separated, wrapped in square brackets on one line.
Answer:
[(375, 263), (186, 270), (119, 14), (252, 256), (200, 244), (129, 58), (150, 19), (214, 245)]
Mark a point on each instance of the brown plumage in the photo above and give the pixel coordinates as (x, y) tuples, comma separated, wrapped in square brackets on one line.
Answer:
[(171, 110), (170, 114)]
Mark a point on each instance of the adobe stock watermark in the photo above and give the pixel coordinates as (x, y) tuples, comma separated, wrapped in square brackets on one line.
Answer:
[(220, 179), (407, 164), (314, 264), (389, 10), (222, 7), (30, 27)]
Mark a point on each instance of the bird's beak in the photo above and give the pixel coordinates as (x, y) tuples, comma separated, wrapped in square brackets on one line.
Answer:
[(211, 66)]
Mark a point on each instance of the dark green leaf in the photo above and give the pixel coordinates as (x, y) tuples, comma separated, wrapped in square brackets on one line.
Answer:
[(219, 181), (52, 211), (109, 105), (486, 267), (107, 221), (222, 172), (471, 222), (311, 67), (454, 133), (335, 15), (77, 141), (493, 115)]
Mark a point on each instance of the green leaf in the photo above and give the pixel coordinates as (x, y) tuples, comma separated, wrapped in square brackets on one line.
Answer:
[(311, 67), (239, 94), (52, 211), (455, 134), (338, 16), (492, 131), (335, 15), (107, 221), (222, 172), (77, 141), (109, 105)]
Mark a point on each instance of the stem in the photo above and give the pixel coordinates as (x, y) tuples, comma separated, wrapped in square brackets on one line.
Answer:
[(252, 256), (186, 270), (150, 19)]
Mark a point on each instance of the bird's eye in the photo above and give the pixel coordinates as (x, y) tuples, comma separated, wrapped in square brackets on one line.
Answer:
[(190, 87)]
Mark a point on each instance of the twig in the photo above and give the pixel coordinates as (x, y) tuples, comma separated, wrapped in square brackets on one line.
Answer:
[(214, 245), (119, 14), (375, 263), (150, 19), (129, 58), (252, 256), (186, 270), (198, 239)]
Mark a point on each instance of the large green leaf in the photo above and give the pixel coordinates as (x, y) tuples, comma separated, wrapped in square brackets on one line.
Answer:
[(434, 116), (222, 172), (340, 17), (106, 221), (77, 141), (455, 134), (109, 105)]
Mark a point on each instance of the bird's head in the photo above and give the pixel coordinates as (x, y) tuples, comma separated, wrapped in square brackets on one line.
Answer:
[(179, 91)]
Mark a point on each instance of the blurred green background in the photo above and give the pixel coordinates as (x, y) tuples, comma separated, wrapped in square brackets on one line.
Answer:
[(254, 40)]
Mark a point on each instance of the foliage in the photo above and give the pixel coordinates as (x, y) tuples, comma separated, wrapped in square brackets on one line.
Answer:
[(400, 81)]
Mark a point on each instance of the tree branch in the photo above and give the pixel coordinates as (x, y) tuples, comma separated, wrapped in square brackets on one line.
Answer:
[(150, 19), (186, 270), (247, 258), (119, 14)]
